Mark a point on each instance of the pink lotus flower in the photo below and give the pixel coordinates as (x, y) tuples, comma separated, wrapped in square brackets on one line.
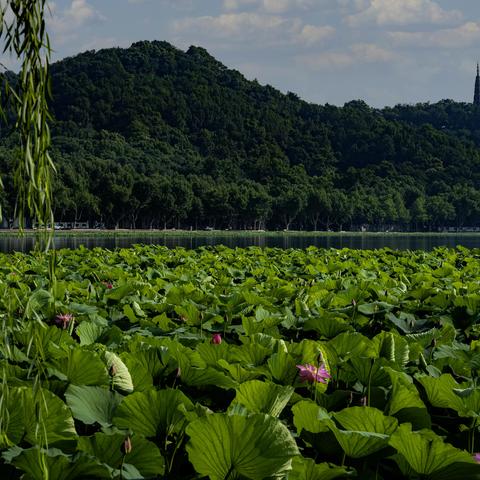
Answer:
[(216, 339), (476, 457), (64, 320), (311, 374)]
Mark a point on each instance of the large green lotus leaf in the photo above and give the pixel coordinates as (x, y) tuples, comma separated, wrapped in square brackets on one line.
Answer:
[(81, 309), (189, 313), (239, 373), (327, 325), (54, 418), (121, 378), (198, 377), (153, 412), (441, 393), (350, 345), (425, 451), (13, 417), (92, 404), (392, 347), (212, 353), (263, 397), (374, 308), (58, 465), (38, 303), (81, 367), (253, 299), (253, 447), (141, 378), (252, 325), (369, 371), (267, 341), (89, 332), (309, 351), (119, 292), (471, 400), (282, 367), (367, 430), (445, 335), (459, 356), (405, 403), (186, 357), (148, 366), (144, 456), (307, 469), (307, 415), (251, 354), (47, 339), (194, 371)]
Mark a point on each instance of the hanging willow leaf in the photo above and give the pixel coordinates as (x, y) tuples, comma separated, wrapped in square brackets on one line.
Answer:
[(22, 27)]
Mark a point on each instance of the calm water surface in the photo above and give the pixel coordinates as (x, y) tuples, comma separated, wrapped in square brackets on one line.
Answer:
[(9, 243)]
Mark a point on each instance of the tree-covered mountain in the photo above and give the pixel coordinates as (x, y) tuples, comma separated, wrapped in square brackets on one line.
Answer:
[(152, 136)]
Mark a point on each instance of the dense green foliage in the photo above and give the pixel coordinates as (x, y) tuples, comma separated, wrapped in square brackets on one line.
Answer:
[(152, 136), (133, 385)]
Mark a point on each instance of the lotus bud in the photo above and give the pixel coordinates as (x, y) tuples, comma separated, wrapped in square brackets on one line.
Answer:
[(354, 302), (127, 446), (216, 339)]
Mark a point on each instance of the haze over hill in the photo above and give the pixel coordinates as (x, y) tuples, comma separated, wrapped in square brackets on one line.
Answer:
[(154, 136)]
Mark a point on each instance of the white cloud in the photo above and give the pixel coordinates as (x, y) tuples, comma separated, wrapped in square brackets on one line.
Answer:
[(270, 6), (360, 53), (66, 24), (236, 4), (312, 34), (403, 12), (78, 13), (231, 25), (459, 37), (254, 27)]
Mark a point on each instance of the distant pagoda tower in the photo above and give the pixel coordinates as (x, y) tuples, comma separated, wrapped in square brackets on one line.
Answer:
[(476, 97)]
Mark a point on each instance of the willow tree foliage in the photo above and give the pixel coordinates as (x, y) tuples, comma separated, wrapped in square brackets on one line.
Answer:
[(23, 31)]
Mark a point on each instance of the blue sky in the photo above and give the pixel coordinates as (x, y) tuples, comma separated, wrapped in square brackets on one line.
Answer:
[(327, 51)]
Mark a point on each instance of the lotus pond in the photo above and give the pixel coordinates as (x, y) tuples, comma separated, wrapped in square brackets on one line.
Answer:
[(240, 364)]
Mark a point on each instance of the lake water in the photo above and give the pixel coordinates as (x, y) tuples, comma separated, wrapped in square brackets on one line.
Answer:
[(10, 243)]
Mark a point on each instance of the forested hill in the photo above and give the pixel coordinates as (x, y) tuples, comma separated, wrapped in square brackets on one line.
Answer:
[(154, 136)]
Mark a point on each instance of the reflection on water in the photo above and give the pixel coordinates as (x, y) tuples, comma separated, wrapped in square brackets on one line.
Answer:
[(10, 243)]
